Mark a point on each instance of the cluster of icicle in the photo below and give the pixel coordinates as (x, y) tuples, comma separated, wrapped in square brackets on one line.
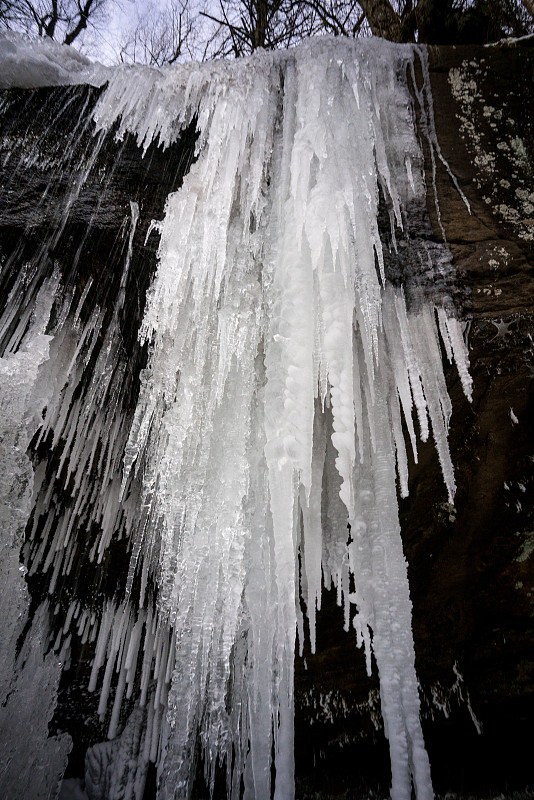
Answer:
[(280, 361), (283, 366)]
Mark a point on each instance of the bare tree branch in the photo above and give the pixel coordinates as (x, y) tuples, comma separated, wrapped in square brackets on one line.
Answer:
[(53, 16), (164, 35), (80, 23), (63, 20)]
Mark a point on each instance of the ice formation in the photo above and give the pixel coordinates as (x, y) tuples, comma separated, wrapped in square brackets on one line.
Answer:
[(294, 350)]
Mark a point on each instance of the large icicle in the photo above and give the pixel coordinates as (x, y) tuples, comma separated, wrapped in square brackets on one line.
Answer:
[(287, 355), (280, 258)]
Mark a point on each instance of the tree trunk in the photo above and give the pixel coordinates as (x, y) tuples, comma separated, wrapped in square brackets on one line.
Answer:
[(81, 24), (260, 30), (382, 19), (529, 5), (50, 27)]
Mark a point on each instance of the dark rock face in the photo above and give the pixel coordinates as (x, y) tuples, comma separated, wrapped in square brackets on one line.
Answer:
[(470, 566), (480, 611)]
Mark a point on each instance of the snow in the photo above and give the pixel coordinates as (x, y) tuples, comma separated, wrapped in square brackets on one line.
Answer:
[(283, 364), (29, 63)]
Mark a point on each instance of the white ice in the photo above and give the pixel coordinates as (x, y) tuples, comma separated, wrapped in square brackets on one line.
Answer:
[(282, 368)]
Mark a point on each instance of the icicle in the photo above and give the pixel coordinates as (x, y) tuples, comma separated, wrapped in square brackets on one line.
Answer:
[(282, 370)]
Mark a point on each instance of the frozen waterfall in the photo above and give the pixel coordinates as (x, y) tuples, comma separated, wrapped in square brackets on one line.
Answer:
[(294, 350)]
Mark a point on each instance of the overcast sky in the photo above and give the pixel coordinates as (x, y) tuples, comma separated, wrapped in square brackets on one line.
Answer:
[(120, 17), (103, 41)]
